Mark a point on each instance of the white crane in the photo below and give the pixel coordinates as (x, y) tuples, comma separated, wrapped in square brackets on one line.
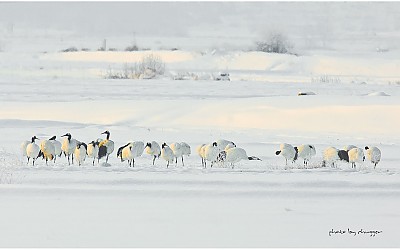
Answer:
[(80, 152), (47, 150), (153, 149), (211, 153), (93, 151), (57, 147), (235, 154), (130, 151), (356, 155), (373, 155), (68, 146), (109, 144), (32, 150), (167, 153), (288, 152)]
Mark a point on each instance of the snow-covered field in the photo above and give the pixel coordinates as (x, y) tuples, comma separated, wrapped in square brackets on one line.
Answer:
[(255, 204)]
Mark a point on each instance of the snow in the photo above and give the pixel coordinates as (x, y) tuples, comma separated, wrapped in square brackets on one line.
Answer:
[(256, 204)]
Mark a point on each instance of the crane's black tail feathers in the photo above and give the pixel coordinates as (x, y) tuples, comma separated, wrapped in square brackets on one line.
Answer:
[(254, 158), (102, 151)]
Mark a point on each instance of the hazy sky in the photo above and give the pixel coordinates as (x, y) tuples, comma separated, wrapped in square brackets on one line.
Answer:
[(185, 18)]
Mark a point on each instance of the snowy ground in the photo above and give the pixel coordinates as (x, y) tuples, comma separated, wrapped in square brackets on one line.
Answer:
[(256, 204)]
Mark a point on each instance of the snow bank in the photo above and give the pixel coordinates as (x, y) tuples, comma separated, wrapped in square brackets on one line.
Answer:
[(338, 65), (379, 93)]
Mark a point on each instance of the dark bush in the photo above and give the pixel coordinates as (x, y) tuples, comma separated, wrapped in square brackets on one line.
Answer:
[(274, 42), (132, 48), (70, 49)]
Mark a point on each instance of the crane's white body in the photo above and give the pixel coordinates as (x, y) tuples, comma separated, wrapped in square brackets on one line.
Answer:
[(356, 155), (24, 144), (373, 154), (153, 149), (80, 154), (331, 155), (32, 151), (349, 147), (68, 146), (211, 152), (200, 152), (57, 148), (48, 150), (167, 154), (235, 154), (222, 144), (306, 152), (109, 144), (93, 151), (131, 151), (287, 151)]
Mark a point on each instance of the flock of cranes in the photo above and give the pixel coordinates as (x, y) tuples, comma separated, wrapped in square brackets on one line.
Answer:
[(70, 147), (331, 155), (217, 152)]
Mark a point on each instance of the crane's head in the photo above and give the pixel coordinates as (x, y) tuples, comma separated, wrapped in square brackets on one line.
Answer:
[(68, 135), (107, 133)]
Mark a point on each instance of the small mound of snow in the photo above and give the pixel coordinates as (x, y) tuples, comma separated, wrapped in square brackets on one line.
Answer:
[(379, 93), (105, 164), (306, 93)]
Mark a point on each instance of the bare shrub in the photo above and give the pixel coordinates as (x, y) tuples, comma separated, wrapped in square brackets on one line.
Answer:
[(149, 67), (274, 42), (326, 79), (113, 74), (185, 76)]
